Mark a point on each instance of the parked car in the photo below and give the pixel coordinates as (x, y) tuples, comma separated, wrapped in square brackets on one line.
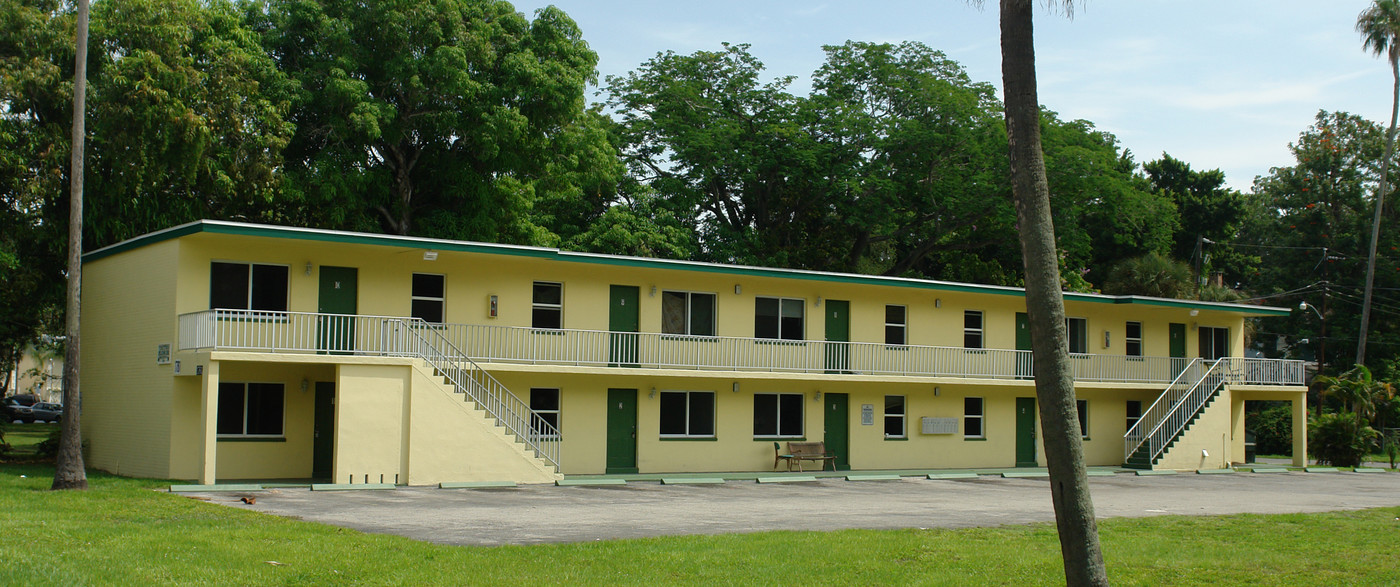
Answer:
[(46, 412), (18, 411)]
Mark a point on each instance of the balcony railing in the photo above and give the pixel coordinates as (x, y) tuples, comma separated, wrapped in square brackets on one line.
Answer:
[(377, 335)]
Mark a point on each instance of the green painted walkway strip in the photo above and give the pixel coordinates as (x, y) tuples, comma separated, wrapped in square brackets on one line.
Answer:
[(787, 479), (1025, 475), (937, 476), (1322, 470), (1150, 472), (351, 486), (1368, 470), (1100, 473), (589, 482), (1214, 471), (215, 487), (475, 484), (1268, 470), (873, 477), (692, 480)]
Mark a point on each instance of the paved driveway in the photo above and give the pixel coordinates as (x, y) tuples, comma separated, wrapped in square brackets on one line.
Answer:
[(539, 514)]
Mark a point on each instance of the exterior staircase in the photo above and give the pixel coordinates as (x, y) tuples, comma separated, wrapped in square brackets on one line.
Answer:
[(1179, 406), (539, 437)]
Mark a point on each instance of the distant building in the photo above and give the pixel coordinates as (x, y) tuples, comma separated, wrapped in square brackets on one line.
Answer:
[(221, 351), (39, 372)]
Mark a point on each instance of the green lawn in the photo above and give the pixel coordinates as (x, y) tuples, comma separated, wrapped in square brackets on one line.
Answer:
[(23, 438), (124, 531)]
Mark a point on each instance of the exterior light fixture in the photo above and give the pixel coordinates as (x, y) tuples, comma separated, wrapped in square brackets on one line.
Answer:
[(308, 268), (737, 289), (429, 255)]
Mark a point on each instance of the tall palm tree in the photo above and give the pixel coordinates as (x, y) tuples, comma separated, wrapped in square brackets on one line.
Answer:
[(69, 472), (1045, 306), (1379, 26)]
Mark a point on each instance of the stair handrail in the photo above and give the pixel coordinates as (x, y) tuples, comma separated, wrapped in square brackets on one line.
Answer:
[(1155, 439), (490, 394)]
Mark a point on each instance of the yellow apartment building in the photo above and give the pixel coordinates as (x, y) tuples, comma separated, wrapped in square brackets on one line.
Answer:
[(218, 351)]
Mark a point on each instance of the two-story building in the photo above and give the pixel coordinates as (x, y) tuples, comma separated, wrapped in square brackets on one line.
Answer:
[(223, 351)]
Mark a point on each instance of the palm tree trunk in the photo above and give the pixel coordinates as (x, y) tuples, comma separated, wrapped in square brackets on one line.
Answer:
[(1054, 382), (1381, 192), (69, 471)]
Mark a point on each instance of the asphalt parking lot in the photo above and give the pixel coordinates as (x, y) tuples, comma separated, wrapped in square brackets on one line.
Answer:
[(545, 513)]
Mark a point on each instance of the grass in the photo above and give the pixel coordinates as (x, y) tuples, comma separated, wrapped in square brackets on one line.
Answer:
[(124, 531), (25, 438)]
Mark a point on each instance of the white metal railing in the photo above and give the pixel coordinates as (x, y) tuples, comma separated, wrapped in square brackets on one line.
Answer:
[(307, 332), (1175, 408)]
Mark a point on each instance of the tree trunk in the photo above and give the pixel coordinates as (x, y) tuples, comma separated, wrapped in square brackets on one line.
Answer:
[(1054, 382), (1381, 193), (69, 472)]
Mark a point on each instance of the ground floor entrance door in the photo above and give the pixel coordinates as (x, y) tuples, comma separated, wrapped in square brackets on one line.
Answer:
[(1025, 432), (622, 432), (323, 431), (838, 432)]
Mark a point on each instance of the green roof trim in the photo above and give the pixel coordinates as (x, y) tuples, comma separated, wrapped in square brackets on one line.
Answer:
[(335, 236)]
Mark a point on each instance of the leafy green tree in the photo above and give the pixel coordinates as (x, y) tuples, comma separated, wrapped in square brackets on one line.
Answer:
[(1309, 224), (445, 118), (1208, 210), (1379, 26), (912, 145), (1054, 380), (1153, 274), (723, 146), (189, 119)]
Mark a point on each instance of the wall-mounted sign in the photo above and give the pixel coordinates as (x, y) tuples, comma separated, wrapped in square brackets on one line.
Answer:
[(867, 414), (163, 354)]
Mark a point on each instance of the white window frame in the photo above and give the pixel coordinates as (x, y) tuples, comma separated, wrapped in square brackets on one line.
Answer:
[(980, 416), (248, 295), (557, 412), (901, 416), (778, 422), (1083, 335), (417, 298), (689, 312), (714, 413), (977, 331), (1131, 420), (537, 305), (282, 426), (902, 327), (1201, 336), (783, 302), (1130, 341)]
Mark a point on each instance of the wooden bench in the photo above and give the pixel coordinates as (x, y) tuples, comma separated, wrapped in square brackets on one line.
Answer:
[(803, 451)]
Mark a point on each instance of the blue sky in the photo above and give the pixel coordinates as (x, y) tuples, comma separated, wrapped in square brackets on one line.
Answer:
[(1224, 84)]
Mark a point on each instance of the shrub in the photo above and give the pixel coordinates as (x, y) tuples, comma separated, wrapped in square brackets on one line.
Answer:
[(1273, 429), (1340, 439), (48, 448)]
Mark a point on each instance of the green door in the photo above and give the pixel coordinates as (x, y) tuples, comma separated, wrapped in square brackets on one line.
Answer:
[(1025, 432), (622, 432), (838, 431), (1025, 367), (323, 435), (1177, 347), (338, 295), (622, 320), (838, 333)]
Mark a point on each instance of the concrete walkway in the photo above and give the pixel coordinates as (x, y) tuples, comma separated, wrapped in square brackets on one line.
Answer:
[(545, 513)]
